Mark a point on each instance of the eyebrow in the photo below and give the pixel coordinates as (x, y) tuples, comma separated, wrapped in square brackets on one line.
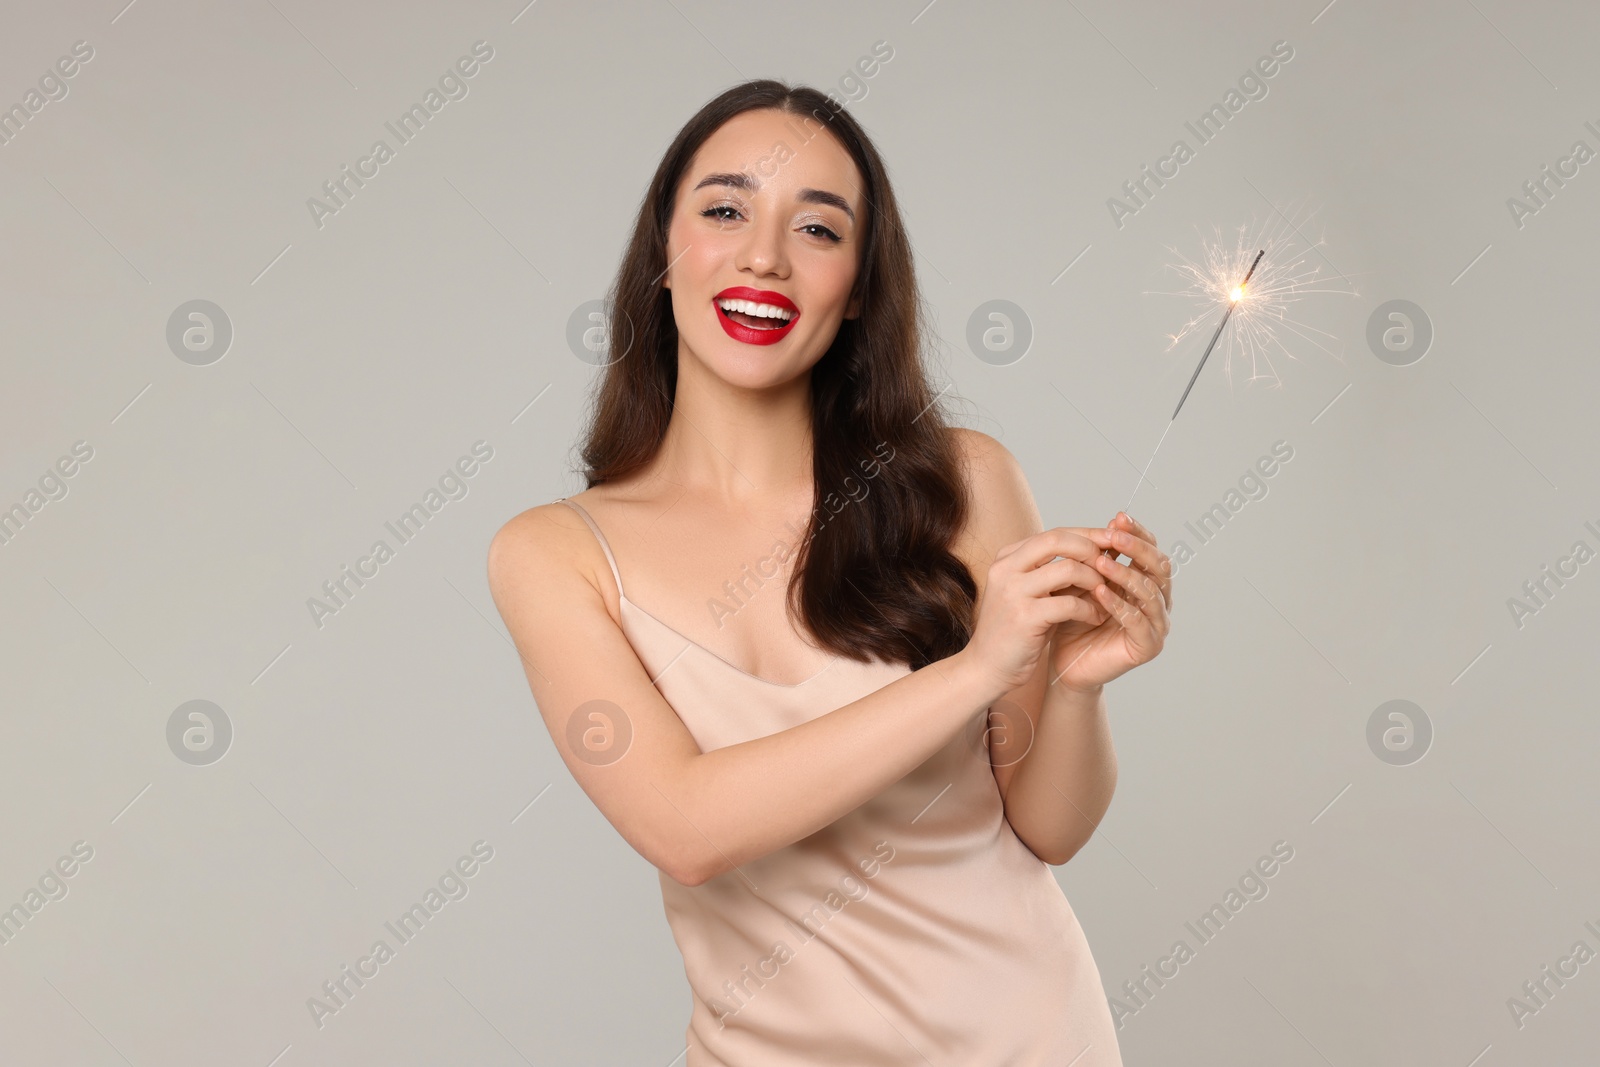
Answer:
[(738, 180)]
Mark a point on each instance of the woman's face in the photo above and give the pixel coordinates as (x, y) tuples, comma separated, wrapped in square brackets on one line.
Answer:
[(770, 205)]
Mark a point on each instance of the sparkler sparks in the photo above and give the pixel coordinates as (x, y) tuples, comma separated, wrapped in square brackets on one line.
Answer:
[(1290, 269), (1255, 294), (1234, 296)]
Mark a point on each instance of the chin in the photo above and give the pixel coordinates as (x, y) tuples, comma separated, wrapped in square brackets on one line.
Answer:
[(752, 375), (750, 366)]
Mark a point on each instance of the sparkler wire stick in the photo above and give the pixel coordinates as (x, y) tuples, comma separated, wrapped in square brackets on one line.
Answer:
[(1238, 295)]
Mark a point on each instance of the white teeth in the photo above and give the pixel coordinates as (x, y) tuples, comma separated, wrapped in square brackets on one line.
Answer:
[(750, 307)]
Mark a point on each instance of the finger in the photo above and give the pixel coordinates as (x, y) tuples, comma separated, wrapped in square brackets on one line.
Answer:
[(1100, 613), (1077, 542), (1062, 574), (1100, 535), (1147, 558), (1086, 596), (1135, 622), (1074, 609), (1136, 588), (1134, 526), (1128, 617), (1142, 590)]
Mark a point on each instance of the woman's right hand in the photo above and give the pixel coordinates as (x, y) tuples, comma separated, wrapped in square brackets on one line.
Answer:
[(1020, 605)]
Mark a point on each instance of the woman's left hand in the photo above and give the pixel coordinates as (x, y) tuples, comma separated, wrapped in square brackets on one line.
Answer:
[(1135, 602)]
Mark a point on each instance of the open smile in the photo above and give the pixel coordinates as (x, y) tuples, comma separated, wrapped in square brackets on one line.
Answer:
[(755, 316)]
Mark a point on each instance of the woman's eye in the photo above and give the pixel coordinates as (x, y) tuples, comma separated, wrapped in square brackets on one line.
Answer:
[(716, 212)]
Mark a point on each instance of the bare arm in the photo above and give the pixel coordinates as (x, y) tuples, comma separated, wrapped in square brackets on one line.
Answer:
[(695, 815), (1060, 790), (1051, 749)]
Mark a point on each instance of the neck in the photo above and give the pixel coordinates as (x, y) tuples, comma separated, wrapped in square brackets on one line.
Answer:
[(738, 446)]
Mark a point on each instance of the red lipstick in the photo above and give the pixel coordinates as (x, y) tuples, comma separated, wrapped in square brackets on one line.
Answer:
[(755, 335)]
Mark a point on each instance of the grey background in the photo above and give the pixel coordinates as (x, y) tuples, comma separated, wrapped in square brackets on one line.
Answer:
[(369, 354)]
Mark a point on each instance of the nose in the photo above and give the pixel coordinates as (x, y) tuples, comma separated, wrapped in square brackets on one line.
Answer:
[(763, 250)]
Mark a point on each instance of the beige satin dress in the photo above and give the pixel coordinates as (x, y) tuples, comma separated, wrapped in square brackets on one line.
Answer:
[(917, 929)]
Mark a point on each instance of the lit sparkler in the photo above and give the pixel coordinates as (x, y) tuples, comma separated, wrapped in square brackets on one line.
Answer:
[(1234, 296), (1254, 298)]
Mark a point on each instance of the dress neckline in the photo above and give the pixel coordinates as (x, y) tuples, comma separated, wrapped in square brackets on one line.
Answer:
[(616, 576), (739, 670)]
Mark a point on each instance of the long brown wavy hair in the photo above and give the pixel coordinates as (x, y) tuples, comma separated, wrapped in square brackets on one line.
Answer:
[(875, 576)]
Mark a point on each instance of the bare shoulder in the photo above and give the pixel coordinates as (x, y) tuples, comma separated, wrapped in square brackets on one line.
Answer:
[(547, 549), (1000, 504), (565, 629)]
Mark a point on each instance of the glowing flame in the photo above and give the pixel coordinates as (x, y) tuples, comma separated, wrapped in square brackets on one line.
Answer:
[(1262, 324)]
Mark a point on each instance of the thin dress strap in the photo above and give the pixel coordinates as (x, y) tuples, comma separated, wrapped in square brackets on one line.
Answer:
[(604, 545)]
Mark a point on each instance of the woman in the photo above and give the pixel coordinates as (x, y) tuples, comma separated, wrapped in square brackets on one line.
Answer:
[(850, 703)]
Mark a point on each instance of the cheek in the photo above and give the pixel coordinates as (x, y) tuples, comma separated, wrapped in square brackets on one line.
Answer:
[(691, 264), (697, 272), (833, 283)]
